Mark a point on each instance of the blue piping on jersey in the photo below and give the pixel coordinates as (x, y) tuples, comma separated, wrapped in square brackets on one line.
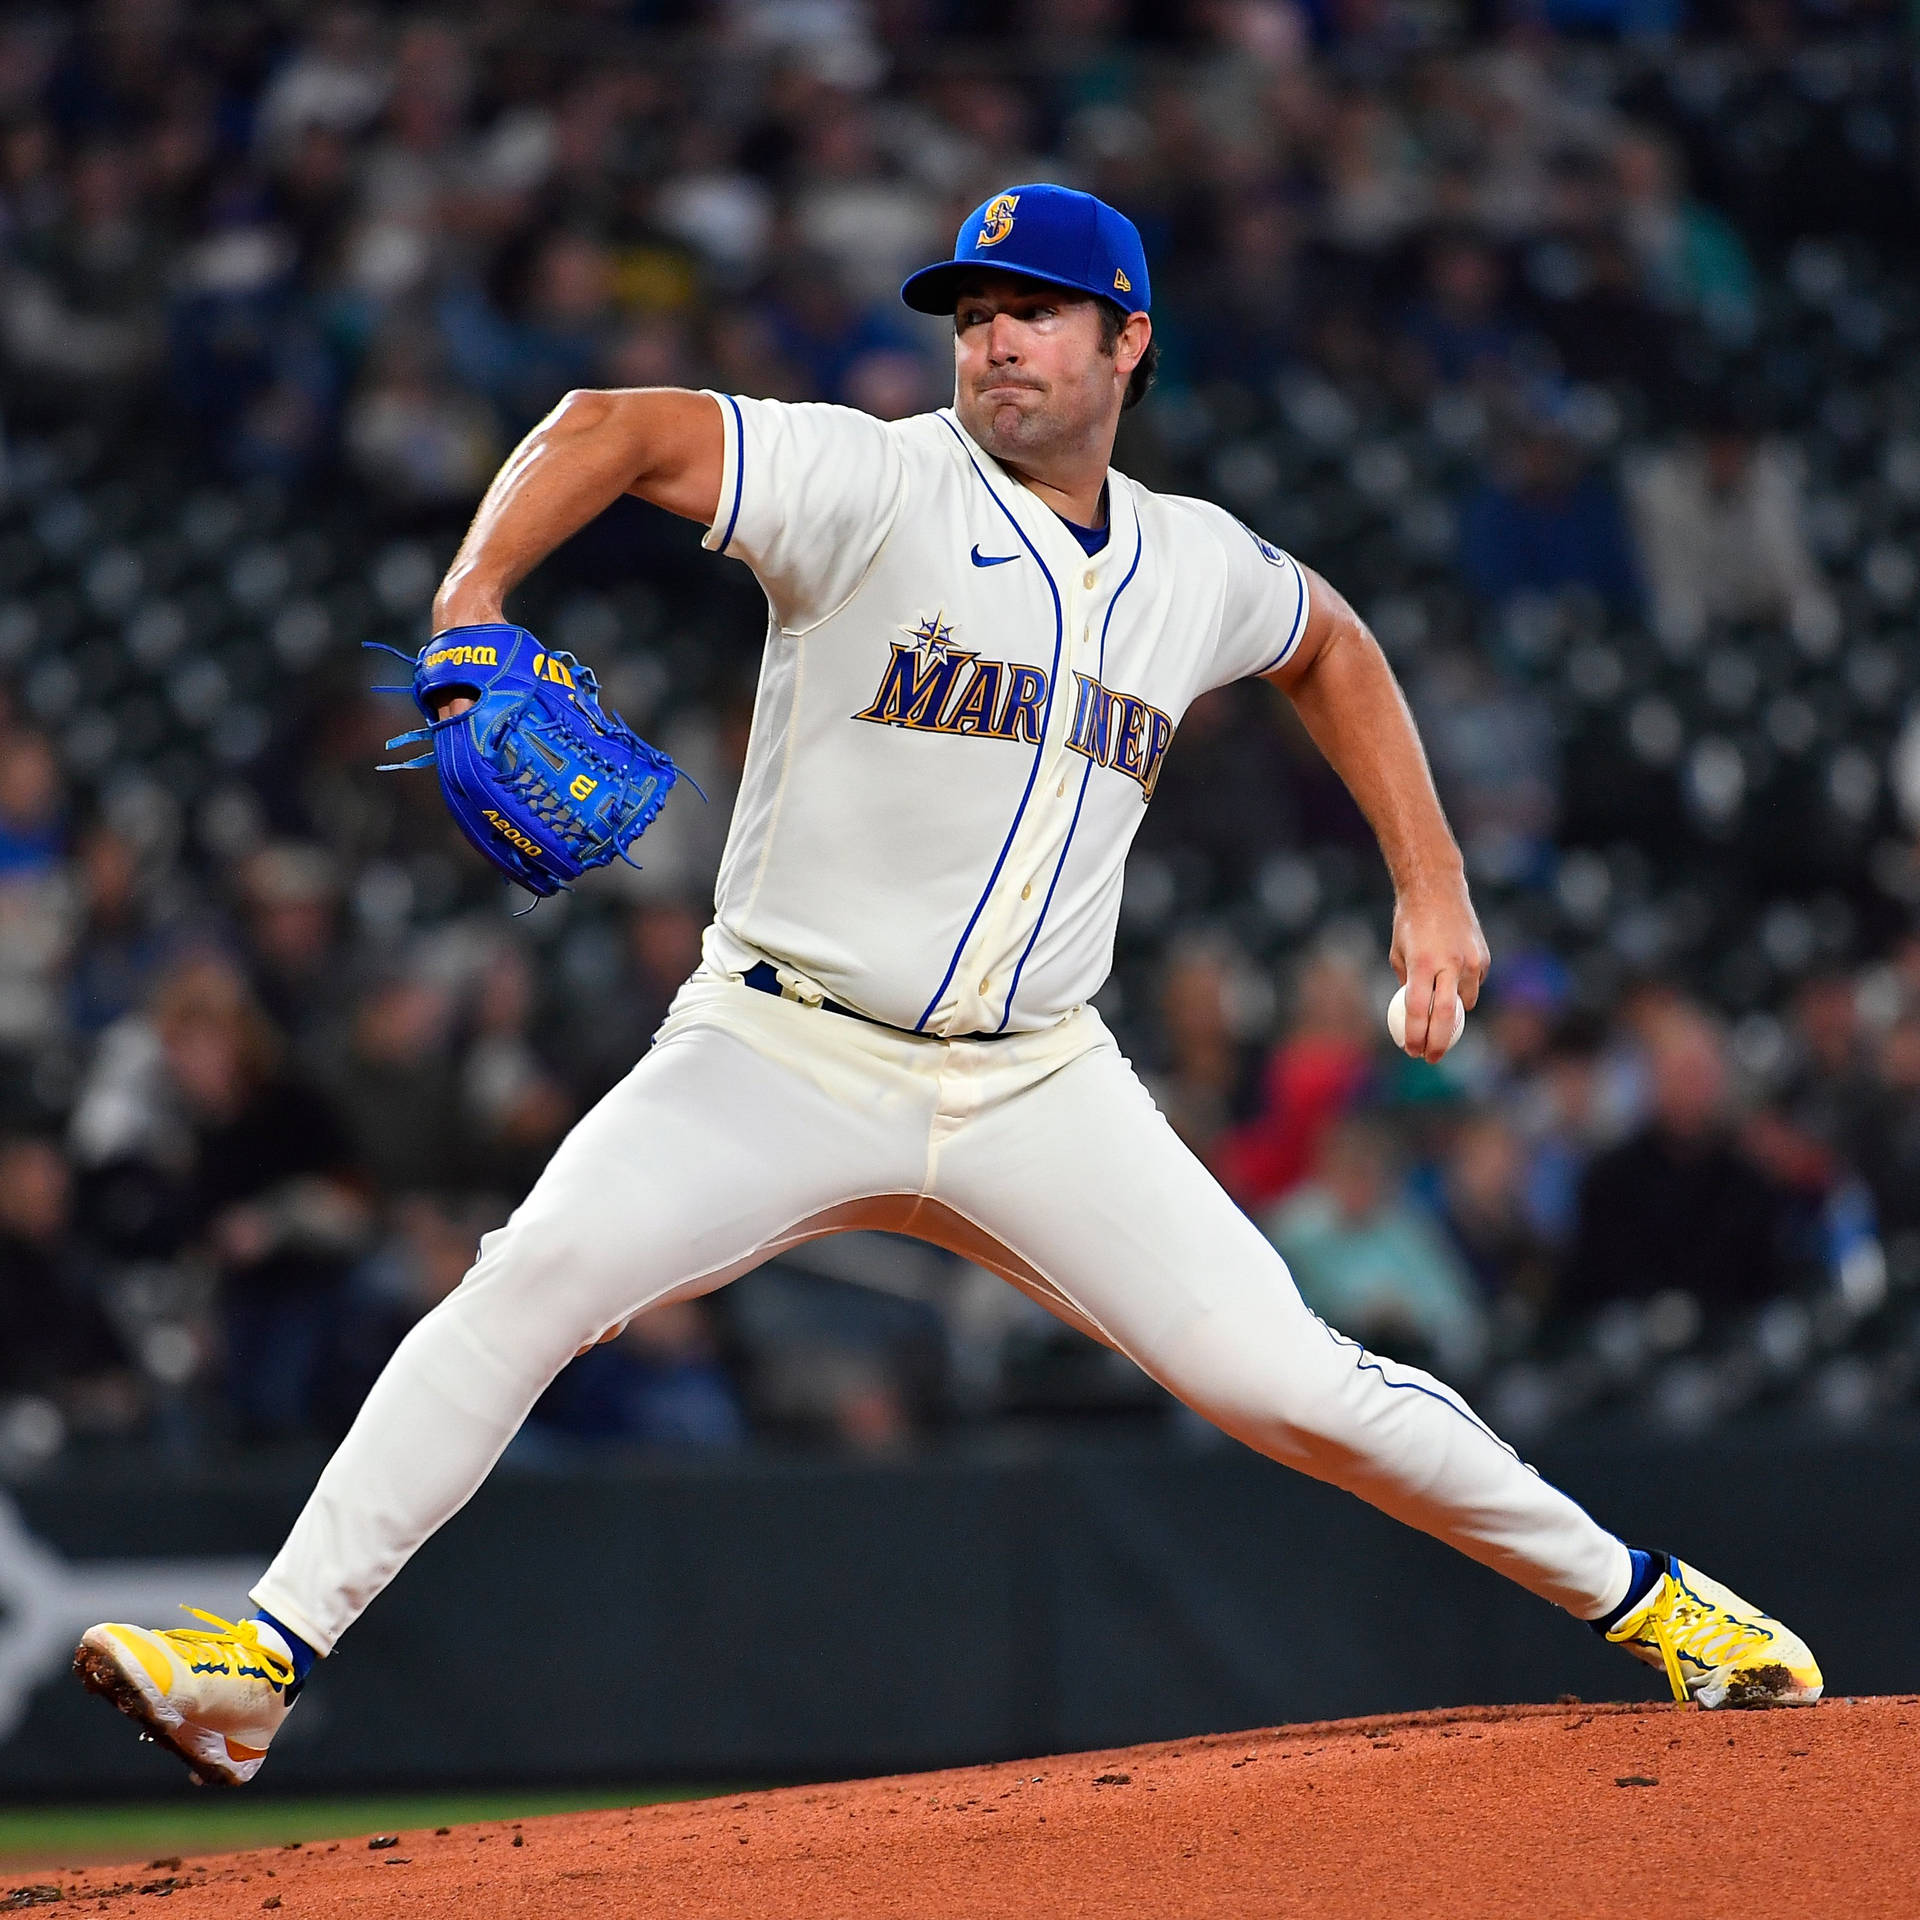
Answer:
[(1053, 685), (739, 468), (1086, 774), (1365, 1362), (1299, 622)]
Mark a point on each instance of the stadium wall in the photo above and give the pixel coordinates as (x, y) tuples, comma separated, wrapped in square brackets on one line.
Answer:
[(783, 1619)]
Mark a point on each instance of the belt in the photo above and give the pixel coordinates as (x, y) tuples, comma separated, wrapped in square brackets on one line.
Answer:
[(763, 979)]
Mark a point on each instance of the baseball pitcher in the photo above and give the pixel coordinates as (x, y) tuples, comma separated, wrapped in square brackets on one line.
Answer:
[(980, 642)]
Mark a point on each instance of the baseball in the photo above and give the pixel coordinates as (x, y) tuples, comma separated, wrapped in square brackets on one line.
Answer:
[(1397, 1019)]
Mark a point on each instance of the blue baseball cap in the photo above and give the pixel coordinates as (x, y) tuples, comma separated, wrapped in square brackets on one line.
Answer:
[(1041, 232)]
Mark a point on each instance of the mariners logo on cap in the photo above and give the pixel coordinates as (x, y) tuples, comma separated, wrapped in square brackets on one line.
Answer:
[(997, 222)]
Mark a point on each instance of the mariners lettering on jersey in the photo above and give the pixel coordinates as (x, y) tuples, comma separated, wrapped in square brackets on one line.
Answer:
[(1120, 731), (931, 686)]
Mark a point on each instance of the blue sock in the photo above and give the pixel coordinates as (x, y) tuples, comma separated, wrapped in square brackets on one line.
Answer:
[(303, 1655), (1647, 1568)]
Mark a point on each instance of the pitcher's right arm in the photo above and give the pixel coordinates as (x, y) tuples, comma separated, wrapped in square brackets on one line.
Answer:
[(662, 443)]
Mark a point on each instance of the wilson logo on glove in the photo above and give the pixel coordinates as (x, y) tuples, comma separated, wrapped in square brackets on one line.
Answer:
[(460, 657), (540, 777)]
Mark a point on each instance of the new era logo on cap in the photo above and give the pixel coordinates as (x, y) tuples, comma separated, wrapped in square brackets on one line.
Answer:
[(1041, 232)]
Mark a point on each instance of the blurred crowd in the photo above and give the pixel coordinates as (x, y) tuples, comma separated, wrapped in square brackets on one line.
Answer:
[(1577, 340)]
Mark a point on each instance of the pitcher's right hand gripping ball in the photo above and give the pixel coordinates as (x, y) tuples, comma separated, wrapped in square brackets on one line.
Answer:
[(545, 781)]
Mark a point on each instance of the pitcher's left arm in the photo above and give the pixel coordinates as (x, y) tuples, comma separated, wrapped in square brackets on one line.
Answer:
[(1347, 697)]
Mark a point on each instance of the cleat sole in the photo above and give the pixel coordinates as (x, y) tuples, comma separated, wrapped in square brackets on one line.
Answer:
[(99, 1673), (1757, 1687)]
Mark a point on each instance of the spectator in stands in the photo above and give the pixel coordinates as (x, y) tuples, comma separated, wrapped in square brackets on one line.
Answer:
[(416, 435), (1483, 1209), (1240, 321), (1376, 187), (59, 1345), (395, 1087), (278, 286), (1558, 1111), (1519, 1006), (429, 1243), (870, 218), (1496, 759), (1721, 525), (825, 334), (1690, 259), (1678, 1206), (546, 335), (31, 187), (416, 160), (1207, 1076), (35, 929), (606, 1032), (723, 213), (1544, 520), (515, 1108), (1243, 781), (290, 895), (1603, 328), (83, 306), (119, 947), (249, 363), (1885, 1138), (659, 1382), (313, 205), (1371, 1265), (1314, 1077), (336, 79), (1829, 1091), (1460, 331), (271, 1192), (31, 808)]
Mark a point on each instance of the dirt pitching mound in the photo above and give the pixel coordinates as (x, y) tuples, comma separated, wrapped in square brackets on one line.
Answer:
[(1575, 1811)]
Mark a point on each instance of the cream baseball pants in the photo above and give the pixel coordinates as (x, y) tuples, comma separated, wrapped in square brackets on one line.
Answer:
[(755, 1123)]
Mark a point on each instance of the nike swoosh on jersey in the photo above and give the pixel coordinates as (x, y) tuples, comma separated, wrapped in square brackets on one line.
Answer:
[(992, 559)]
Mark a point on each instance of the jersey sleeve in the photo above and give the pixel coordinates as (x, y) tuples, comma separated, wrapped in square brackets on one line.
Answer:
[(1264, 611), (808, 495)]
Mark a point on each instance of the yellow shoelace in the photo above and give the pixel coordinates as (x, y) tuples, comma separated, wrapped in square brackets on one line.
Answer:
[(1671, 1660), (240, 1638), (1691, 1626)]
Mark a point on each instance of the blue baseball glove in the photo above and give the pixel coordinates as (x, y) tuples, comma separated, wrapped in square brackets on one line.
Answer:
[(545, 781)]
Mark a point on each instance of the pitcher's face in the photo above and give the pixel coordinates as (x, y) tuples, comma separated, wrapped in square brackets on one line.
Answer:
[(1031, 375)]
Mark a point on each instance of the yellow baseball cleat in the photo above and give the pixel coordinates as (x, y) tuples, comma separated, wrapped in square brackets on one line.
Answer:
[(215, 1696), (1717, 1649)]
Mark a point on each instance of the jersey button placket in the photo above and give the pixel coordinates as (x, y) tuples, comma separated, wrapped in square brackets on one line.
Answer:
[(1009, 923), (1051, 829)]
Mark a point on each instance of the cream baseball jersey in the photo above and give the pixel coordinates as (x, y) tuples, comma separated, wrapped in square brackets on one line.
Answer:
[(961, 714), (961, 718)]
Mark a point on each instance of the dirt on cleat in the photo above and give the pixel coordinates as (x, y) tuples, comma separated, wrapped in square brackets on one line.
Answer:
[(98, 1675), (1757, 1687)]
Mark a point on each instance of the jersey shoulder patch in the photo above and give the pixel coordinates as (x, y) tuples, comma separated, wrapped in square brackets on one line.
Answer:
[(1268, 551), (1226, 527)]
